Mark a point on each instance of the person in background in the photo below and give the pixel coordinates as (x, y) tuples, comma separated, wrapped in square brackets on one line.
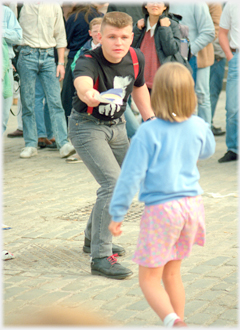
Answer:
[(217, 69), (36, 57), (158, 37), (97, 130), (92, 43), (166, 151), (197, 17), (77, 27), (229, 41), (12, 35)]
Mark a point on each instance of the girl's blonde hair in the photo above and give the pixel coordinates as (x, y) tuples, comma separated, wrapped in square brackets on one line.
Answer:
[(173, 97)]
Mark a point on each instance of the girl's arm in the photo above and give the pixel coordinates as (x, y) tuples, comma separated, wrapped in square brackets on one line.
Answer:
[(133, 172)]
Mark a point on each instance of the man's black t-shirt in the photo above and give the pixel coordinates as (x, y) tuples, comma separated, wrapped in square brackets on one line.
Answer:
[(110, 75)]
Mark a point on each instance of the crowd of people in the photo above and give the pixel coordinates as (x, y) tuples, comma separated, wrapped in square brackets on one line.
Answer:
[(137, 58)]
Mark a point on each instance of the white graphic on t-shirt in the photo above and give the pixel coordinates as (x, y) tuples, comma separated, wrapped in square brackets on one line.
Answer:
[(110, 109)]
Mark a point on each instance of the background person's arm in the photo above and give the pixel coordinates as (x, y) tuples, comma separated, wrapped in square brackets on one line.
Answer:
[(224, 42), (141, 97)]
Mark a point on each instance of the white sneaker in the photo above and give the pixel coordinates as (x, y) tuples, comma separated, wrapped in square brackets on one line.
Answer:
[(67, 150), (28, 152)]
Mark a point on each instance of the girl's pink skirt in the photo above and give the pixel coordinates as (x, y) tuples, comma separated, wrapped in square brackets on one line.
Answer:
[(168, 231)]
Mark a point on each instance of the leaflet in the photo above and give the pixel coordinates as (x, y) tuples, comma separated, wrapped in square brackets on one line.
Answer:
[(113, 95)]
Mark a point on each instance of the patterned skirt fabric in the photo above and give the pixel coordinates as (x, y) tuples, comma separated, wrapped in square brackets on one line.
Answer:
[(168, 231)]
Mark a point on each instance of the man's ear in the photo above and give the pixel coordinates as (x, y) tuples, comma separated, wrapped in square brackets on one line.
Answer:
[(90, 33), (100, 37)]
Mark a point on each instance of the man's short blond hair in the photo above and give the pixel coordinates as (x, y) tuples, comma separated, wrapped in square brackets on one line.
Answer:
[(173, 96), (117, 19), (95, 21)]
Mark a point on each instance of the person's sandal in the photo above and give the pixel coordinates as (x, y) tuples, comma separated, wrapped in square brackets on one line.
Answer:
[(42, 142), (74, 159)]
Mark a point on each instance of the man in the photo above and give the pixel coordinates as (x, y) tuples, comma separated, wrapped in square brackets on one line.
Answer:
[(197, 17), (229, 29), (43, 29), (97, 130), (217, 70), (12, 35)]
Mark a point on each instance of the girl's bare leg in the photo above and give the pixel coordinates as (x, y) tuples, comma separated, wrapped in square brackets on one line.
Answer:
[(155, 294), (174, 287)]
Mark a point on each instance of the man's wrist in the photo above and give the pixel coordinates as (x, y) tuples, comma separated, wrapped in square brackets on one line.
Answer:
[(151, 118), (61, 63)]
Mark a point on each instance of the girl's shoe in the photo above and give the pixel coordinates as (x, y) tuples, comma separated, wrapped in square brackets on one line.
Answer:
[(179, 323)]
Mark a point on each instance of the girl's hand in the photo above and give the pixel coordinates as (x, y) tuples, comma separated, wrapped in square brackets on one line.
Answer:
[(165, 21), (140, 23), (115, 228)]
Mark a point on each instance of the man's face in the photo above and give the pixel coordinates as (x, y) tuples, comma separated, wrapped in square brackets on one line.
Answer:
[(94, 33), (115, 42)]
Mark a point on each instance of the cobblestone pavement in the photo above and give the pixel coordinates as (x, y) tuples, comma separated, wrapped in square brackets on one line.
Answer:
[(46, 202)]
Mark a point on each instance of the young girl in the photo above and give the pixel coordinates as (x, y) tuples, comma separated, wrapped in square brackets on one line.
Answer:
[(162, 162)]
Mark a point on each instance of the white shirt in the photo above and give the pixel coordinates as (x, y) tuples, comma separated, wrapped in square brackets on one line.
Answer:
[(43, 26), (230, 21), (151, 28), (93, 46)]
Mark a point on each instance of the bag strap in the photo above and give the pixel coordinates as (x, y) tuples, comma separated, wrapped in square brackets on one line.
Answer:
[(135, 61), (90, 109)]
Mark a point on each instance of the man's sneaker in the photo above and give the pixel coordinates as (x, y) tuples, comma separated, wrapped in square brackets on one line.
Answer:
[(67, 150), (217, 131), (109, 267), (116, 249), (228, 157), (28, 152)]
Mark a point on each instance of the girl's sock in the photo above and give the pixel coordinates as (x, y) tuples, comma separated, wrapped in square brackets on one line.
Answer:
[(169, 320)]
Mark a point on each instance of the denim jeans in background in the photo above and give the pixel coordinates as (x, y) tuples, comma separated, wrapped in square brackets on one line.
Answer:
[(102, 148), (217, 71), (202, 89), (41, 62), (43, 121), (232, 104), (193, 63), (131, 121), (201, 77), (7, 103)]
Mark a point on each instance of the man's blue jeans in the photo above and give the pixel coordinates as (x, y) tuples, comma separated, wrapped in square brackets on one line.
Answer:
[(216, 82), (41, 62), (43, 121), (102, 148), (131, 121), (201, 78), (232, 104)]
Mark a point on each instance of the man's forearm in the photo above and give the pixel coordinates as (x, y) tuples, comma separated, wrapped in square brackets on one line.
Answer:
[(61, 52), (224, 43), (85, 90), (141, 97)]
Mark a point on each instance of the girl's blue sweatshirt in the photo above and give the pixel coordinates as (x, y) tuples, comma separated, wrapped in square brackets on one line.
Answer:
[(162, 163)]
